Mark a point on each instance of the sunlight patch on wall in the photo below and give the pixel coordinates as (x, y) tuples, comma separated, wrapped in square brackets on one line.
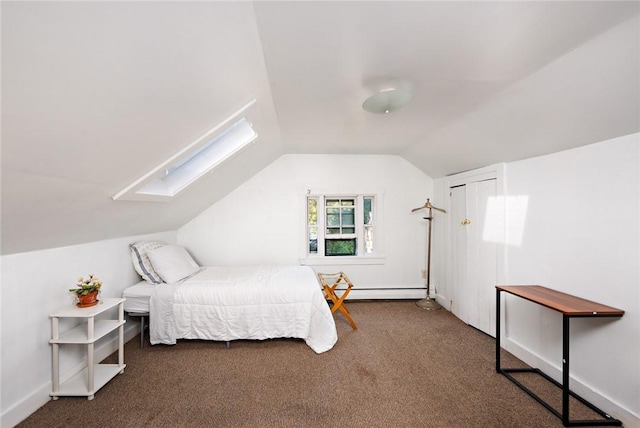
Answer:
[(515, 207)]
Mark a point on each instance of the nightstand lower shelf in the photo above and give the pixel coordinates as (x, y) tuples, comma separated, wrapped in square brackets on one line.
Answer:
[(77, 385)]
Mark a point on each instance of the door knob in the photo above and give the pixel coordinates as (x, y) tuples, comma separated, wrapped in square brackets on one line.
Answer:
[(465, 222)]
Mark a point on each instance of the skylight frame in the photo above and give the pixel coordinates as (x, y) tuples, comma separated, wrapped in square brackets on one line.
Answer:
[(156, 186)]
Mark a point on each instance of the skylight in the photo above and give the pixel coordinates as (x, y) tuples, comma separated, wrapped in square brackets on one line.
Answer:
[(200, 157), (192, 167)]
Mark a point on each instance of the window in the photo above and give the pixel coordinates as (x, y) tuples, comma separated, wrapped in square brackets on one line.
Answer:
[(340, 225), (192, 167), (340, 217), (194, 161)]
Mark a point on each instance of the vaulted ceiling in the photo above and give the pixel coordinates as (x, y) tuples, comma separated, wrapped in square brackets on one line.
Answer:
[(96, 94)]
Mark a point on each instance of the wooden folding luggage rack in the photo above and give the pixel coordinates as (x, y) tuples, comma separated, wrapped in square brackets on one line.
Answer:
[(330, 282)]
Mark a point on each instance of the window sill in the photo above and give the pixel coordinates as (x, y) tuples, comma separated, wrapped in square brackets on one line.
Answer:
[(342, 260)]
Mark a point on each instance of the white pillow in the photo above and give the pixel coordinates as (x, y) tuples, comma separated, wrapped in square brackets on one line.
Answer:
[(172, 263), (141, 262)]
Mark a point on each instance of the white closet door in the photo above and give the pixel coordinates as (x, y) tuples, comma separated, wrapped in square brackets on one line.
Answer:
[(473, 255), (458, 262), (481, 256)]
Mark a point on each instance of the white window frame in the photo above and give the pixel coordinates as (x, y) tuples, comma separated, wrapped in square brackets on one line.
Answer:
[(376, 257)]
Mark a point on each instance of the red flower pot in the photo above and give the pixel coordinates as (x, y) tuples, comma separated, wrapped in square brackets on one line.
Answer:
[(87, 300)]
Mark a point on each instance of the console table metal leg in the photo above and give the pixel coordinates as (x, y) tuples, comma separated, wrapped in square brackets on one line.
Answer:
[(498, 330), (565, 370)]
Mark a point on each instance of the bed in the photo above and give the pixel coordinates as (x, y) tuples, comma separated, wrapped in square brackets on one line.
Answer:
[(226, 303), (137, 297)]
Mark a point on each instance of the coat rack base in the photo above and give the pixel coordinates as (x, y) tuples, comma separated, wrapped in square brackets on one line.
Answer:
[(428, 304)]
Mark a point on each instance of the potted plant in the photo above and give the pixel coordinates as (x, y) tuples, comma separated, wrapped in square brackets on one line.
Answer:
[(87, 291)]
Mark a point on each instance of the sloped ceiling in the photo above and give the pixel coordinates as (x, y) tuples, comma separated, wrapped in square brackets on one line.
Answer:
[(96, 94)]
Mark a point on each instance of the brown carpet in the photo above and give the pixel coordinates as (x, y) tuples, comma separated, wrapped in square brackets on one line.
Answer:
[(404, 367)]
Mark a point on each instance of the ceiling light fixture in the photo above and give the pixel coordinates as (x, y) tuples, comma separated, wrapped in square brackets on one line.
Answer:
[(387, 100)]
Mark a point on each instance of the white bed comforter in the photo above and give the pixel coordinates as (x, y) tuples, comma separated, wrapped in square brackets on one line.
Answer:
[(240, 302)]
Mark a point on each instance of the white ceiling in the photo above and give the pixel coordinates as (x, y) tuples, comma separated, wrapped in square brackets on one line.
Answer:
[(95, 94)]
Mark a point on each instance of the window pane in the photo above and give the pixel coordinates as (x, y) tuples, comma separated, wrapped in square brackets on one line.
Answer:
[(333, 219), (347, 202), (368, 210), (333, 230), (340, 247), (368, 239), (312, 225), (313, 239), (312, 211), (333, 202), (348, 217), (348, 230)]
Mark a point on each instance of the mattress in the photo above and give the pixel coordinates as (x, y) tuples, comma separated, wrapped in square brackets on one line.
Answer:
[(138, 297), (243, 302)]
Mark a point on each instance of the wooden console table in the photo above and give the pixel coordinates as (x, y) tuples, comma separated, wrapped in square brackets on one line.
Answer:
[(570, 307)]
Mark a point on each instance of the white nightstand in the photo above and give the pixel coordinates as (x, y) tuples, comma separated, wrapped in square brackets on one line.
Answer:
[(95, 376)]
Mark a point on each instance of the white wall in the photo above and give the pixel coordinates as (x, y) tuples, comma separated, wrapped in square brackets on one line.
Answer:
[(263, 221), (26, 326), (580, 235)]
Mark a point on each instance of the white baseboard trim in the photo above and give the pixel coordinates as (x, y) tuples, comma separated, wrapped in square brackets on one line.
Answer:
[(597, 398), (386, 293), (38, 398)]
